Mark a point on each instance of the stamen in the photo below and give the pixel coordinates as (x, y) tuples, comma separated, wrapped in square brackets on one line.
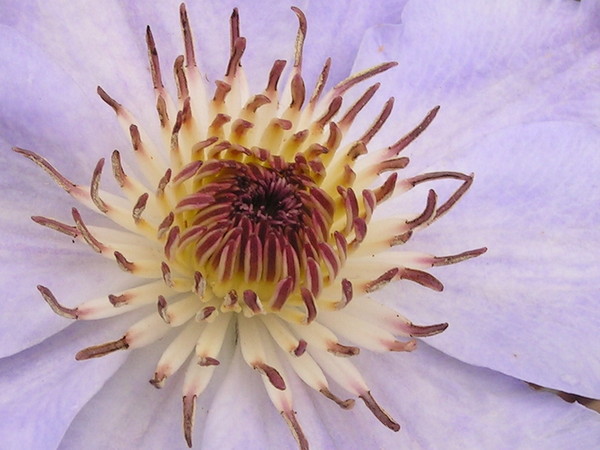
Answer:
[(189, 412), (139, 207), (422, 278), (69, 313), (116, 106), (56, 226), (239, 47), (190, 57), (427, 214), (378, 411), (344, 404), (351, 114), (272, 374), (63, 182), (96, 245), (274, 77), (453, 259), (97, 351), (294, 426), (397, 147), (153, 59), (302, 28), (356, 78), (320, 84), (94, 187), (381, 119)]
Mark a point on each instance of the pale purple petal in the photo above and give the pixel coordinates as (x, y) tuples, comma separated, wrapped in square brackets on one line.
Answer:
[(439, 401), (43, 387), (529, 306), (488, 67)]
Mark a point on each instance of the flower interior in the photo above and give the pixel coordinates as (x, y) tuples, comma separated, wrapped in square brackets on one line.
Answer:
[(252, 225)]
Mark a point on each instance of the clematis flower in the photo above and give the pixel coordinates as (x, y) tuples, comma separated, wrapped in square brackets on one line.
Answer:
[(518, 90)]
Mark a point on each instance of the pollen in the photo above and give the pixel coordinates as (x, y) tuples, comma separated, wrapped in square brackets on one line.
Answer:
[(254, 223)]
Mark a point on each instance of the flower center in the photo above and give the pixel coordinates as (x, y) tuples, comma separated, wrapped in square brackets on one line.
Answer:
[(258, 232)]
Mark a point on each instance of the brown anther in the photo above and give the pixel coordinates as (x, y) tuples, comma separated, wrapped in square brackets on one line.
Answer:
[(385, 191), (423, 331), (251, 300), (153, 59), (338, 349), (399, 346), (422, 278), (344, 404), (58, 178), (320, 82), (161, 109), (190, 58), (335, 137), (117, 168), (206, 361), (240, 126), (401, 238), (427, 213), (205, 313), (55, 225), (118, 300), (302, 28), (294, 426), (123, 263), (358, 106), (392, 164), (69, 313), (97, 351), (165, 225), (298, 92), (171, 243), (315, 150), (453, 259), (332, 110), (183, 91), (356, 78), (347, 294), (234, 28), (464, 187), (166, 274), (116, 106), (189, 411), (95, 184), (219, 121), (358, 148), (256, 102), (238, 49), (378, 411), (281, 293), (136, 139), (406, 140), (96, 245), (186, 112), (162, 307), (162, 183), (221, 92), (139, 207), (199, 146), (158, 381), (274, 75), (301, 348), (378, 123), (382, 280), (272, 374)]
